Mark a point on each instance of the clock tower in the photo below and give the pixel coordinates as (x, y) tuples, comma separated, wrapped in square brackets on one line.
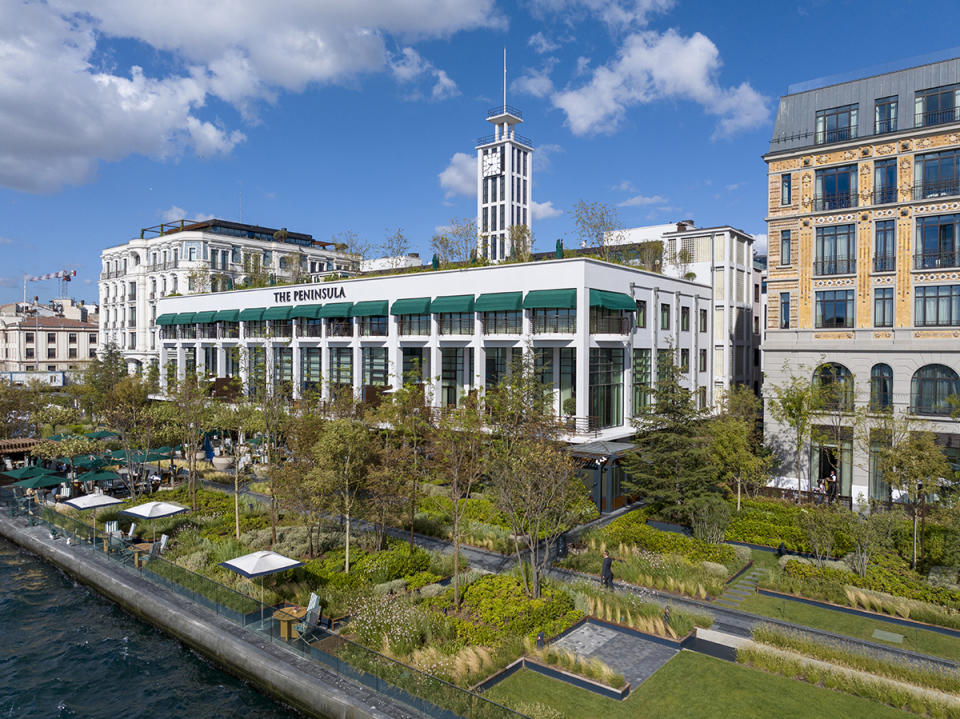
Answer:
[(504, 172)]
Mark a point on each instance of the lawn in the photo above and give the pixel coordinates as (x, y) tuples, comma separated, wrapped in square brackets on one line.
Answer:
[(694, 685), (917, 640)]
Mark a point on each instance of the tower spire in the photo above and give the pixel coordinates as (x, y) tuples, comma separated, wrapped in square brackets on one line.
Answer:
[(504, 77)]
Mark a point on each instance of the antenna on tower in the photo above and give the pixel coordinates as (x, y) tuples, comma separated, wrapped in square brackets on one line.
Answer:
[(504, 79)]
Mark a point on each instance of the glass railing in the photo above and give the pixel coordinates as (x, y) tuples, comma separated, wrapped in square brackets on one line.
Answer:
[(406, 685)]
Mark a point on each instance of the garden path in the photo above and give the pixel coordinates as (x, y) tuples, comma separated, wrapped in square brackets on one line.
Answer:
[(743, 587), (637, 659)]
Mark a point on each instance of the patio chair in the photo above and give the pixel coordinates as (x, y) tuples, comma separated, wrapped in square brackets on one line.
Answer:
[(116, 541), (163, 542), (310, 623), (155, 550), (111, 527), (314, 601), (133, 526)]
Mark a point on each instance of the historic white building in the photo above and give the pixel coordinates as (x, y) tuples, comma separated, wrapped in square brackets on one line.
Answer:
[(189, 258), (597, 330), (504, 183)]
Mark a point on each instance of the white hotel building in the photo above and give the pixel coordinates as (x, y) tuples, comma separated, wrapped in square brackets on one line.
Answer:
[(597, 331)]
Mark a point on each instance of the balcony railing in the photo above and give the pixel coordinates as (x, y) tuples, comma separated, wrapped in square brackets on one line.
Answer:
[(834, 202), (208, 331), (943, 188), (884, 263), (554, 324), (936, 260), (884, 195), (487, 139), (502, 327), (835, 266), (505, 110), (340, 329), (841, 134), (610, 325), (882, 127), (310, 329), (168, 265), (937, 117)]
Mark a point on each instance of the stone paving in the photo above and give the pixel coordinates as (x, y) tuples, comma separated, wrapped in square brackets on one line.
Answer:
[(636, 658), (744, 586)]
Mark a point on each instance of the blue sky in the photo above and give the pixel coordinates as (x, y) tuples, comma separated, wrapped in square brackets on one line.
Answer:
[(324, 116)]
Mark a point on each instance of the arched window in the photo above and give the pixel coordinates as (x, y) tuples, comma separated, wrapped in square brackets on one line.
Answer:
[(930, 389), (881, 387), (837, 384)]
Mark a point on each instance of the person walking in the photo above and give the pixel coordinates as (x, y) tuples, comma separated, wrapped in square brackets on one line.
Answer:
[(606, 571)]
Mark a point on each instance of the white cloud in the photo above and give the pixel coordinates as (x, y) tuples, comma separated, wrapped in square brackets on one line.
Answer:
[(734, 187), (760, 243), (625, 186), (72, 111), (5, 241), (651, 66), (534, 82), (442, 229), (643, 200), (544, 210), (410, 67), (617, 14), (543, 156), (541, 44), (174, 213), (87, 281), (460, 176)]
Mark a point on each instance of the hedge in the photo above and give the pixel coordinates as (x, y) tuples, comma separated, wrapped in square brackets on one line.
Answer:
[(633, 529)]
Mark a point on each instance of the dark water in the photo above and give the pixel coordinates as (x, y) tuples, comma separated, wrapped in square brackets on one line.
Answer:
[(66, 652)]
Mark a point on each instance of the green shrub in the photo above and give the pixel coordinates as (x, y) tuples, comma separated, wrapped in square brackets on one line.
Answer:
[(500, 601), (633, 529)]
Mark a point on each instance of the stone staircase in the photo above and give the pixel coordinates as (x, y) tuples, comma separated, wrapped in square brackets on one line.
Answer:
[(744, 586)]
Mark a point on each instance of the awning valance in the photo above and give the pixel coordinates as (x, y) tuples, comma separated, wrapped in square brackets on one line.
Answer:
[(277, 313), (452, 303), (500, 302), (551, 299), (167, 319), (411, 306), (336, 309), (612, 300), (252, 314), (370, 308)]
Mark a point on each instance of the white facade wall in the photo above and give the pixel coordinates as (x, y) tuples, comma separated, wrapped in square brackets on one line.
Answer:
[(682, 298)]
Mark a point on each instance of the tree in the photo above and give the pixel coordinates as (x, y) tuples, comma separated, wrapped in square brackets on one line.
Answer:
[(709, 517), (869, 533), (102, 375), (56, 416), (457, 243), (343, 454), (911, 462), (14, 418), (521, 240), (821, 524), (349, 241), (239, 419), (69, 448), (598, 225), (671, 464), (732, 454), (185, 420), (198, 280), (395, 246), (297, 483), (795, 403), (458, 457), (127, 412)]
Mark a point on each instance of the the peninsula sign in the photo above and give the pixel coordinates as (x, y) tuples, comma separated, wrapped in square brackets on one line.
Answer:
[(312, 294)]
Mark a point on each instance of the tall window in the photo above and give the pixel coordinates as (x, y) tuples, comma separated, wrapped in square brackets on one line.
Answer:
[(936, 105), (685, 360), (834, 309), (936, 174), (642, 380), (502, 323), (702, 363), (554, 321), (784, 310), (786, 189), (414, 324), (786, 239), (885, 115), (881, 386), (885, 246), (664, 316), (374, 366), (283, 370), (641, 313), (310, 368), (836, 248), (341, 367), (936, 306), (685, 319), (837, 384), (884, 182), (606, 386), (937, 242), (836, 188), (931, 389), (703, 320), (883, 307), (496, 365), (836, 124)]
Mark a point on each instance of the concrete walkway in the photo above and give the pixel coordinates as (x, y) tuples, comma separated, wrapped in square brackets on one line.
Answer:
[(635, 658)]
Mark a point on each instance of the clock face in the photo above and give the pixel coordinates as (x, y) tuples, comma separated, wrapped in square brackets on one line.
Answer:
[(491, 164)]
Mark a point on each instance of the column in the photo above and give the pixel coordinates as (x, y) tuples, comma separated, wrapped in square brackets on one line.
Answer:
[(582, 340)]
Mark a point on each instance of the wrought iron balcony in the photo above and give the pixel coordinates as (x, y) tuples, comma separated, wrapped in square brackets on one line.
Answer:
[(943, 188), (937, 117), (937, 260), (835, 266), (884, 263), (884, 195), (835, 202), (505, 110), (841, 134)]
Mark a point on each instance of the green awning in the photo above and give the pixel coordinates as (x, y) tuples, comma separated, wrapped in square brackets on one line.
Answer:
[(612, 300), (305, 312), (411, 306), (370, 308), (167, 319), (252, 314), (228, 316), (336, 309), (452, 303), (203, 318), (550, 299), (184, 318), (277, 313), (500, 302)]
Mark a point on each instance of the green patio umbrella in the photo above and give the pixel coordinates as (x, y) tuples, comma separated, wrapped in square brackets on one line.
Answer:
[(25, 472), (43, 481), (88, 461), (66, 435), (101, 434), (99, 476)]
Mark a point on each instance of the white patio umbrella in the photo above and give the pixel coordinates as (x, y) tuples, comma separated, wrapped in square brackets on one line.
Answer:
[(154, 510), (93, 501), (259, 564)]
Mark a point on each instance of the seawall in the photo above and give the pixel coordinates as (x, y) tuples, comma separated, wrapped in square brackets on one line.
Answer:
[(277, 672)]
